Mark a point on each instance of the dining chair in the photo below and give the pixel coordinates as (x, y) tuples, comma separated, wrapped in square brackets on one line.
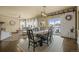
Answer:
[(33, 41), (50, 33), (47, 37)]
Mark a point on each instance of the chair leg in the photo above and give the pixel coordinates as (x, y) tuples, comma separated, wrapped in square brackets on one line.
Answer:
[(47, 42), (33, 47), (29, 44)]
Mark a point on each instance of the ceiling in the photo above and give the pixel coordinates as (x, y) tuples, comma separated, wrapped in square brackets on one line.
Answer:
[(78, 8), (27, 11)]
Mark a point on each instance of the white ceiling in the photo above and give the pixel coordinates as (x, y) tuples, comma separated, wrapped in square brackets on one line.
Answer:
[(27, 11)]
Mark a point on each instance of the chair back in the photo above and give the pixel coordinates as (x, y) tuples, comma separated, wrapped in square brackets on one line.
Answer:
[(49, 34), (30, 35)]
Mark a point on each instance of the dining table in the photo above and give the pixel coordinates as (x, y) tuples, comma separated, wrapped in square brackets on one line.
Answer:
[(39, 34)]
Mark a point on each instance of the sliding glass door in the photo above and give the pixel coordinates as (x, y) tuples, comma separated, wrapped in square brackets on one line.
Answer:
[(23, 24), (28, 23)]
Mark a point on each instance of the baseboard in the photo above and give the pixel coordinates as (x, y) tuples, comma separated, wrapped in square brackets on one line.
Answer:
[(14, 32), (67, 37)]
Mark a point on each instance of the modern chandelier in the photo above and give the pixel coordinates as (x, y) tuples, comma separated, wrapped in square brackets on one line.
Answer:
[(43, 12)]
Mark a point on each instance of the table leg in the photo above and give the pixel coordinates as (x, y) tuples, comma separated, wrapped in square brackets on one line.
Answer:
[(41, 44)]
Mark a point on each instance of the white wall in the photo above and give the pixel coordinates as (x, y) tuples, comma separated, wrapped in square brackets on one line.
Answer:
[(78, 26), (7, 26), (78, 37), (67, 25)]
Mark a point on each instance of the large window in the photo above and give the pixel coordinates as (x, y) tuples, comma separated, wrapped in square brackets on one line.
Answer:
[(25, 23), (55, 22), (31, 23), (22, 24)]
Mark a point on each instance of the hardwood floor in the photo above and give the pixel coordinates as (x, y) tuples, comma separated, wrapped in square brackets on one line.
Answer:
[(20, 44)]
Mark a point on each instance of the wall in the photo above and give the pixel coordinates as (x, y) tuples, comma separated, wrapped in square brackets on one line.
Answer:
[(7, 26), (78, 28), (66, 25)]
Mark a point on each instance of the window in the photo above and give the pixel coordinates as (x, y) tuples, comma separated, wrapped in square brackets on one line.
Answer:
[(54, 21), (56, 24)]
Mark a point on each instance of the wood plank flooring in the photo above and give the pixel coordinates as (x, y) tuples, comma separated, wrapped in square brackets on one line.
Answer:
[(20, 44)]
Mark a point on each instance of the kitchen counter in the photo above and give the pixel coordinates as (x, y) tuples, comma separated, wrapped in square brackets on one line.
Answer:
[(4, 35)]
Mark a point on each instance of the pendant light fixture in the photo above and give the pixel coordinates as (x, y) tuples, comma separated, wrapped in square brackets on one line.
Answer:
[(43, 12)]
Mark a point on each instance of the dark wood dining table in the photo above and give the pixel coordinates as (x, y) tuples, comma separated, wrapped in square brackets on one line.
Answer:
[(39, 34)]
